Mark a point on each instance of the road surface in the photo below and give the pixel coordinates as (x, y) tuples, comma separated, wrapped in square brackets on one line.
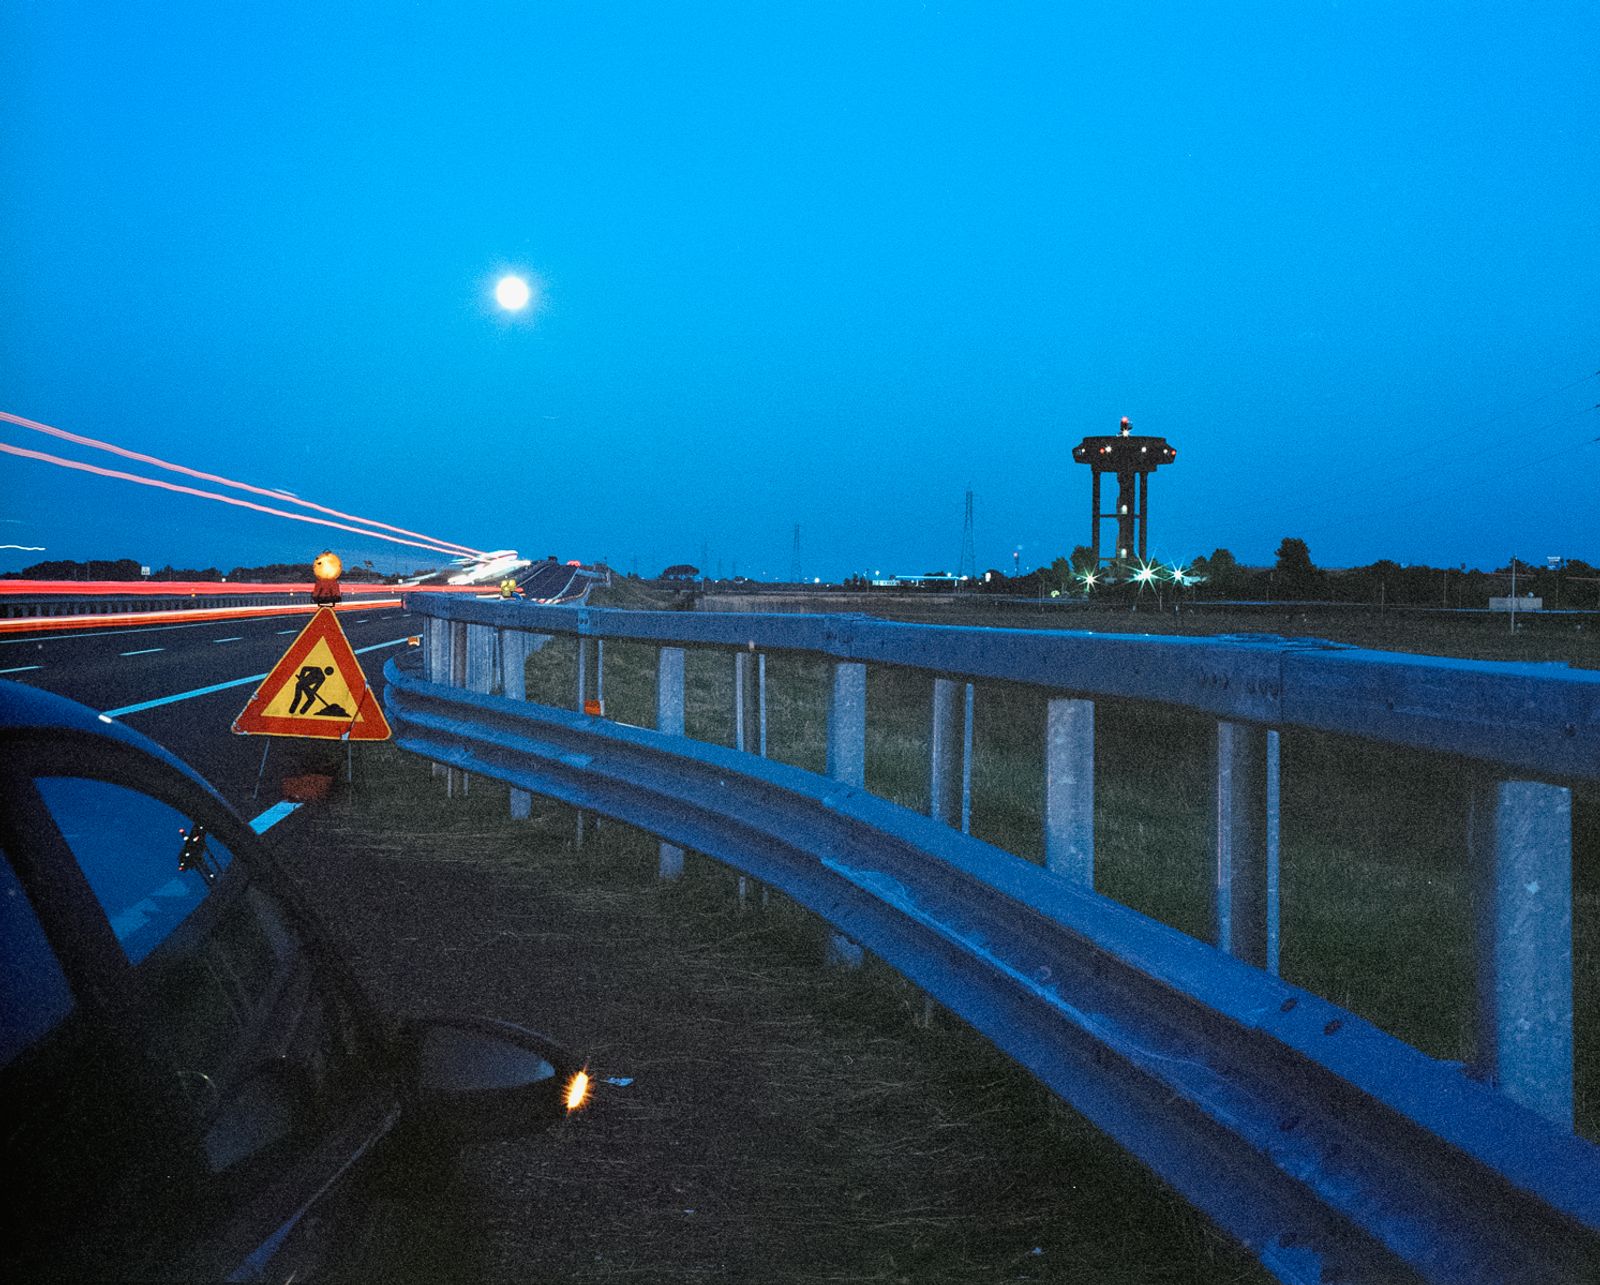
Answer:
[(182, 685)]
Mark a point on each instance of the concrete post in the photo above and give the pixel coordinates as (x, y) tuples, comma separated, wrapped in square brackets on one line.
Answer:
[(847, 762), (1246, 841), (1520, 837), (669, 719), (1069, 790)]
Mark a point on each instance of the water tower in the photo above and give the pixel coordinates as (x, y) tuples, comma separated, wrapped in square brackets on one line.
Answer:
[(1132, 459)]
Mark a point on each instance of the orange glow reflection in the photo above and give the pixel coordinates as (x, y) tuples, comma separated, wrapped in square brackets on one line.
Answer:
[(577, 1090)]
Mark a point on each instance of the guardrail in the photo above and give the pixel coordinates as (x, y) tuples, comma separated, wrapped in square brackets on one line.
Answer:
[(1331, 1149), (26, 604)]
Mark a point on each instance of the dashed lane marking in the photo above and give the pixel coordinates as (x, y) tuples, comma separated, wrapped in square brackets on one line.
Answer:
[(20, 669), (272, 816), (111, 633), (218, 687), (145, 652)]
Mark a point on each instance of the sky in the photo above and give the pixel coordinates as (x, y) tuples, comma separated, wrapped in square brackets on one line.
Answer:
[(803, 264)]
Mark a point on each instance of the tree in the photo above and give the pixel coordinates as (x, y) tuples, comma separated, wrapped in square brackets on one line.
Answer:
[(1221, 571), (680, 571), (1294, 574)]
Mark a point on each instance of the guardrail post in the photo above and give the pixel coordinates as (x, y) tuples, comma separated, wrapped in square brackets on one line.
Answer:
[(446, 663), (947, 759), (514, 686), (741, 699), (847, 762), (1069, 789), (436, 649), (761, 702), (966, 762), (481, 658), (580, 702), (742, 692), (1520, 836), (1246, 842), (669, 719), (847, 724)]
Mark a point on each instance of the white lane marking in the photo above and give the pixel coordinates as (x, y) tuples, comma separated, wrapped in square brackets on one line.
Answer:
[(20, 669), (92, 632), (110, 633), (217, 687), (235, 638), (145, 652), (281, 632), (272, 816)]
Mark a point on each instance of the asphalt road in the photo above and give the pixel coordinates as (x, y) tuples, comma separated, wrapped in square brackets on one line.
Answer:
[(117, 669)]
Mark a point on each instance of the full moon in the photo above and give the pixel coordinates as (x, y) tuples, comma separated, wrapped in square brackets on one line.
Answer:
[(512, 293)]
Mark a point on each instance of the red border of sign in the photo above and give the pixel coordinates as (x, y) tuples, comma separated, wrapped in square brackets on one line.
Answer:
[(323, 627)]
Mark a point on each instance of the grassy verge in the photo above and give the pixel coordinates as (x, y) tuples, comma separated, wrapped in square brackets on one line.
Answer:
[(780, 1121), (1377, 907)]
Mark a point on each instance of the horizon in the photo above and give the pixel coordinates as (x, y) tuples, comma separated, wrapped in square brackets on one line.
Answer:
[(1524, 565)]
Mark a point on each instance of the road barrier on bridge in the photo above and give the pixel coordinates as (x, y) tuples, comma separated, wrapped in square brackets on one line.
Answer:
[(1331, 1149)]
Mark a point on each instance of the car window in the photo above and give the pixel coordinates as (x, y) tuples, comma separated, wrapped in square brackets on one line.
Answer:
[(34, 996), (148, 864), (233, 1004)]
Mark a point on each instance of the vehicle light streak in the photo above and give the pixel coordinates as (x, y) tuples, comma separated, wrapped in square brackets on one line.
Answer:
[(187, 616), (442, 546), (81, 467)]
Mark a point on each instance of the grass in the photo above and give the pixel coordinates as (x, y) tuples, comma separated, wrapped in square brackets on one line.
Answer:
[(782, 1122), (1377, 907)]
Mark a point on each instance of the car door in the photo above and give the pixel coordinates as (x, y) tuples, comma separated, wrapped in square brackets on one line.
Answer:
[(258, 1060)]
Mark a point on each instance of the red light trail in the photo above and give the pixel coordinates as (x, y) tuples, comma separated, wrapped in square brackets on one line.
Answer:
[(434, 543), (26, 454)]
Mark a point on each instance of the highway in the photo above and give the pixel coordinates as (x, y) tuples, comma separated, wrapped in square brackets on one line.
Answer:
[(182, 685)]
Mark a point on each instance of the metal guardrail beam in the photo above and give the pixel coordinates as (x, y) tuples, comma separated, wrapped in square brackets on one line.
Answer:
[(1331, 1149), (1542, 719)]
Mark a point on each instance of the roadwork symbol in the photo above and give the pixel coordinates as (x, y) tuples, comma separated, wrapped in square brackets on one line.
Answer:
[(316, 690)]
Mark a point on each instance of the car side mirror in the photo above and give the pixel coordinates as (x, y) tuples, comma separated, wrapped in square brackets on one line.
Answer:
[(475, 1079)]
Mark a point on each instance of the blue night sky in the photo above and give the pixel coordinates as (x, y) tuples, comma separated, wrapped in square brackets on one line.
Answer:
[(825, 264)]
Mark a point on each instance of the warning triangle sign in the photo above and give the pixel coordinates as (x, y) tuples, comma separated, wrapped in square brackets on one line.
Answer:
[(316, 690)]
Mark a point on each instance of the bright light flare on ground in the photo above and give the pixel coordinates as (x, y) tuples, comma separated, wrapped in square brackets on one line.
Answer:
[(577, 1090), (512, 293)]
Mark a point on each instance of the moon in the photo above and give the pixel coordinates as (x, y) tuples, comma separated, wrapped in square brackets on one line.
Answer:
[(512, 293)]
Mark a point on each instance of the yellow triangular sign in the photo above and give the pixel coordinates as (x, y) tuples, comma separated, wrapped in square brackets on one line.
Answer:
[(316, 690)]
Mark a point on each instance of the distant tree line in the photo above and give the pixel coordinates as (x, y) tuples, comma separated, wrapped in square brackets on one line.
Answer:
[(1294, 577)]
